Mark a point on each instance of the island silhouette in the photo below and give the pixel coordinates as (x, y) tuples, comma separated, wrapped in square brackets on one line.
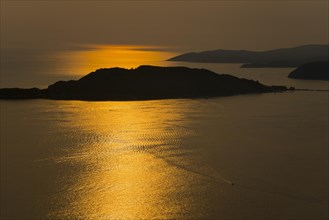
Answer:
[(144, 83), (315, 70), (284, 57)]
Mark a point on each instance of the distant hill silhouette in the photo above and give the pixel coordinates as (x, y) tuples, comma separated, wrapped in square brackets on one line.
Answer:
[(144, 83), (315, 70), (285, 57)]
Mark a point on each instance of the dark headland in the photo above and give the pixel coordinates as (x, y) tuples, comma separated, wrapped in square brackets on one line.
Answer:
[(314, 70), (284, 57), (144, 83)]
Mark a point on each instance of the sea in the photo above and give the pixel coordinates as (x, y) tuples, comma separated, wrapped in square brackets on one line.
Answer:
[(257, 156)]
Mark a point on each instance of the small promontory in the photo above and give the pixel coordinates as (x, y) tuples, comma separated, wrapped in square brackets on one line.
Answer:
[(144, 83), (314, 71)]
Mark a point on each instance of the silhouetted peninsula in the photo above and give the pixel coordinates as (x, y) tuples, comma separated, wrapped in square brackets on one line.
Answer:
[(285, 57), (314, 70), (144, 83)]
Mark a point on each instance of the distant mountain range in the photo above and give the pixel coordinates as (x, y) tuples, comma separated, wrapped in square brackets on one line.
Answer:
[(315, 70), (144, 83), (284, 57)]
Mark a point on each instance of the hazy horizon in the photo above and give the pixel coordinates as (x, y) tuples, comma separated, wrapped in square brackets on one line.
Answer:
[(180, 26)]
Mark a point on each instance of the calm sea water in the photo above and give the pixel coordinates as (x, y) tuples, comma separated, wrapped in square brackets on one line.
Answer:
[(28, 68), (243, 157)]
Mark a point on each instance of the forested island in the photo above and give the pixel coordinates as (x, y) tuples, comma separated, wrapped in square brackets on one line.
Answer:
[(144, 83)]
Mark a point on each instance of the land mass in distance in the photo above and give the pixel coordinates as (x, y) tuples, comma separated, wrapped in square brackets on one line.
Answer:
[(284, 57), (313, 71)]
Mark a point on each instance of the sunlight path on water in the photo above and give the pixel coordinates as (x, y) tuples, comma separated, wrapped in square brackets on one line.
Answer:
[(92, 57), (132, 162)]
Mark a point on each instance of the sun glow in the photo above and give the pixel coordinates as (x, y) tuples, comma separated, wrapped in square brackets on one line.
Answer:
[(92, 57)]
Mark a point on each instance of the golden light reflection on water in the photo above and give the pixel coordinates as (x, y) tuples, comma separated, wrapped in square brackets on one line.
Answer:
[(128, 160), (83, 61)]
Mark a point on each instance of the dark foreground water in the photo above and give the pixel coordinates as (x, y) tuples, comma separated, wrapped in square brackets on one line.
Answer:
[(243, 157)]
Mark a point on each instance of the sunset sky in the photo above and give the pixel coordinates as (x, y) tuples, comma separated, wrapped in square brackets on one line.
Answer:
[(183, 25), (104, 116)]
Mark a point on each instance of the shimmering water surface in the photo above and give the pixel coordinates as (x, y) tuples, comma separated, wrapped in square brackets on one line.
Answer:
[(41, 67), (216, 158), (244, 157)]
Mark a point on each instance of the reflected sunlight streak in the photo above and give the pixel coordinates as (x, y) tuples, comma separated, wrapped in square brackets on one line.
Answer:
[(92, 57), (126, 167)]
